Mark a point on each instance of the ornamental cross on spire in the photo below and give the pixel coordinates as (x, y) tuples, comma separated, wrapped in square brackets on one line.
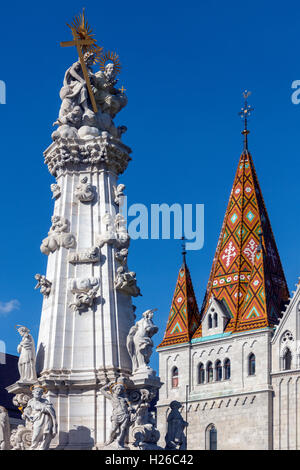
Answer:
[(245, 114)]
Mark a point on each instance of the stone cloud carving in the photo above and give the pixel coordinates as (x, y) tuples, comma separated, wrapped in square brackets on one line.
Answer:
[(85, 191), (26, 363), (43, 284), (90, 255), (140, 344), (58, 236)]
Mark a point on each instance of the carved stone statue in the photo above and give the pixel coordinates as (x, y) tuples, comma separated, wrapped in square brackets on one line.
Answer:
[(108, 98), (144, 429), (4, 429), (126, 282), (21, 437), (175, 438), (121, 256), (139, 342), (121, 414), (118, 193), (41, 413), (76, 118), (43, 284), (85, 191), (55, 188), (58, 236), (26, 363)]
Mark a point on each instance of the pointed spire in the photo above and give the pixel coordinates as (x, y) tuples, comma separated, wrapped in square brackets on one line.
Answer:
[(247, 240), (245, 114), (184, 315)]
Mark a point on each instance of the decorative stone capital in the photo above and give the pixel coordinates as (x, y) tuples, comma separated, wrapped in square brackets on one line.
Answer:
[(77, 155)]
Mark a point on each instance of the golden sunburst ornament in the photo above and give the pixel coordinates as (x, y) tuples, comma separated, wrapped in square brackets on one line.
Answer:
[(110, 57), (82, 31)]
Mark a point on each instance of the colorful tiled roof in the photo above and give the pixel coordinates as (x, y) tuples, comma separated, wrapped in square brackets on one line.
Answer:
[(251, 284), (184, 317)]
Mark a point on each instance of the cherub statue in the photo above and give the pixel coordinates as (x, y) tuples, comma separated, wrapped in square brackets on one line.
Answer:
[(43, 284), (121, 413), (26, 363), (139, 341)]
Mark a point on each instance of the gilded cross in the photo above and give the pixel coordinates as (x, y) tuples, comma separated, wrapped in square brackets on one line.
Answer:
[(79, 43), (122, 89)]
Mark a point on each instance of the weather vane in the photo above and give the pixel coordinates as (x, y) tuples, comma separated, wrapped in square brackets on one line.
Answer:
[(83, 39), (245, 114)]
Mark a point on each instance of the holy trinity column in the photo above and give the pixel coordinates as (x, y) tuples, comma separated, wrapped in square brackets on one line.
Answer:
[(87, 308)]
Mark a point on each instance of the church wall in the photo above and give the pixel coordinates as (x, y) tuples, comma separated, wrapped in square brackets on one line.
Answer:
[(236, 406), (286, 383)]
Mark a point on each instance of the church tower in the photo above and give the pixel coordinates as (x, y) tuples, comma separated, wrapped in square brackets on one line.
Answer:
[(223, 370)]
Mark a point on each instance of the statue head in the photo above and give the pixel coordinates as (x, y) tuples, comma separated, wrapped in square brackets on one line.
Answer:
[(175, 405), (109, 71), (89, 58), (118, 389), (22, 330), (37, 392)]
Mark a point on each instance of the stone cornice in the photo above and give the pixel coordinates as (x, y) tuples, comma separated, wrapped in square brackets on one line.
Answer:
[(77, 155)]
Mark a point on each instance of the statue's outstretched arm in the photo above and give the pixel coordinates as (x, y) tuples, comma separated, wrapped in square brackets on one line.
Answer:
[(104, 391)]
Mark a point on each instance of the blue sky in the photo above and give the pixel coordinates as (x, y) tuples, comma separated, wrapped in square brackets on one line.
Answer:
[(185, 65)]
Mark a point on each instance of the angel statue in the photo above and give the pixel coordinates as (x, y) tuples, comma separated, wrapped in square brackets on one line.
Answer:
[(139, 342), (41, 413), (26, 349)]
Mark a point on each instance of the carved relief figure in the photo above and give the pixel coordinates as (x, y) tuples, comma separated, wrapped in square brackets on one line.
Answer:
[(85, 291), (126, 282), (41, 413), (121, 256), (85, 191), (26, 363), (91, 255), (4, 429), (139, 342), (175, 438), (58, 236), (121, 413), (144, 429), (43, 284)]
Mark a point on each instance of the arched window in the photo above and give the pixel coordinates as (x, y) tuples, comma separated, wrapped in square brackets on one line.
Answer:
[(201, 374), (218, 367), (209, 372), (227, 371), (215, 320), (209, 321), (287, 359), (211, 437), (175, 377), (251, 364)]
